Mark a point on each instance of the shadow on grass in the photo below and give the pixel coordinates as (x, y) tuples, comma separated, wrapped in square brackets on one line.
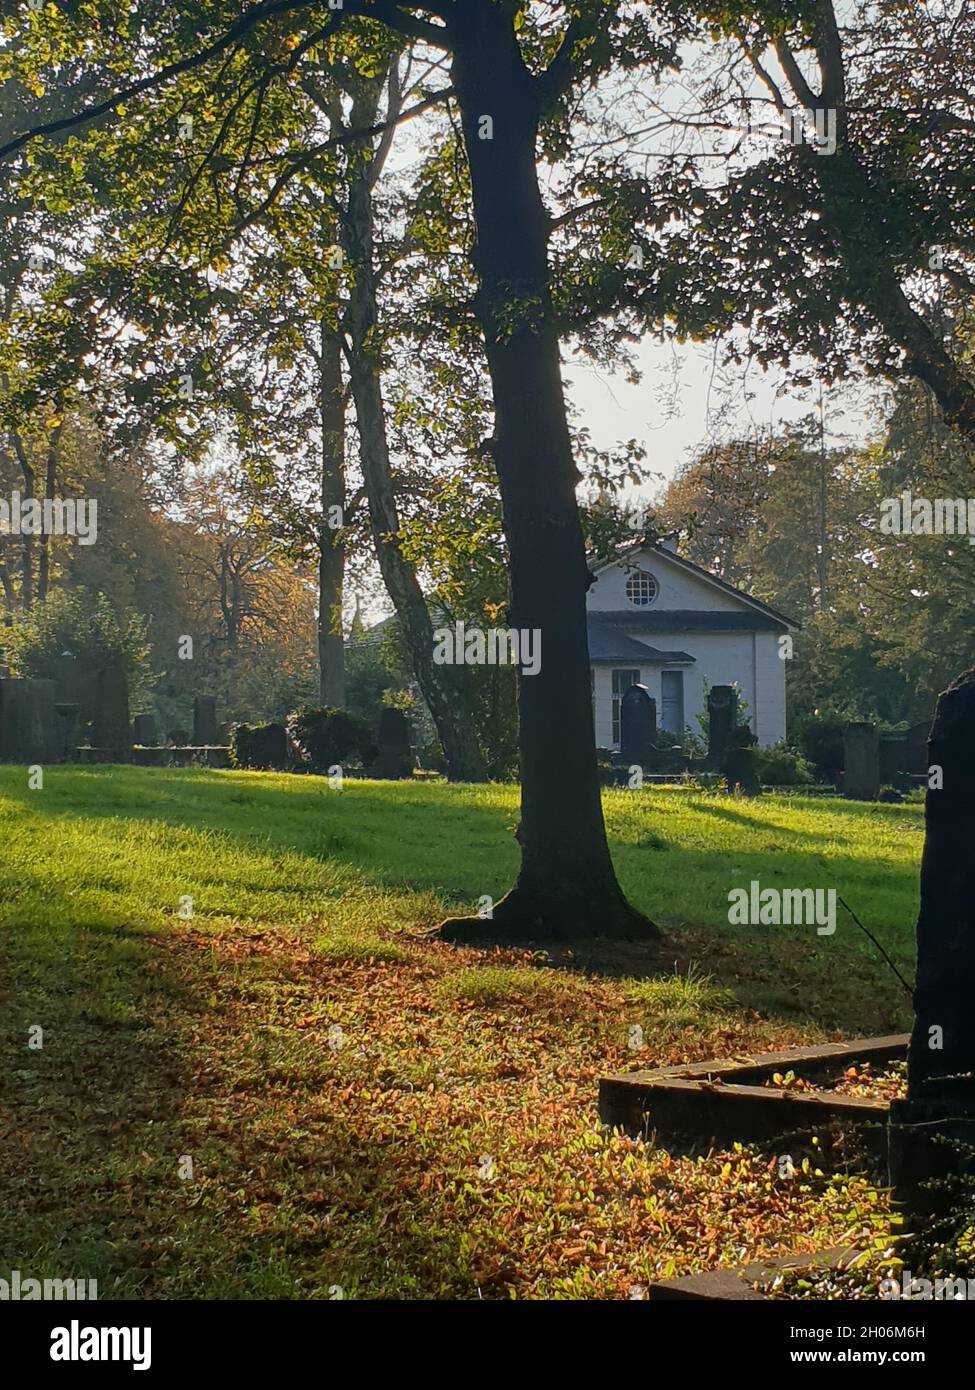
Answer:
[(448, 840), (153, 1059)]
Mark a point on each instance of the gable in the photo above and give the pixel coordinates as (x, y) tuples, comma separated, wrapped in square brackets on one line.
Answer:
[(681, 588)]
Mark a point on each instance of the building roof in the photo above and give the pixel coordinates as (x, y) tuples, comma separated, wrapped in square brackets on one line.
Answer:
[(671, 620), (608, 643), (780, 621)]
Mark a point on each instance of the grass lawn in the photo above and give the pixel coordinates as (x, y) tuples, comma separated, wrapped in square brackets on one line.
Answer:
[(382, 1115)]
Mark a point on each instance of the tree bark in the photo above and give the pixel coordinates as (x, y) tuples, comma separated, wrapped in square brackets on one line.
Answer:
[(567, 887), (461, 751), (26, 539), (331, 553), (9, 597), (50, 484)]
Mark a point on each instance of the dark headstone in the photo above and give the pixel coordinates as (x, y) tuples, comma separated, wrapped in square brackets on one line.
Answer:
[(269, 747), (67, 674), (861, 762), (916, 749), (144, 731), (178, 738), (638, 726), (111, 727), (741, 771), (30, 731), (69, 715), (722, 721), (396, 758), (223, 731), (932, 1132), (204, 720), (891, 755)]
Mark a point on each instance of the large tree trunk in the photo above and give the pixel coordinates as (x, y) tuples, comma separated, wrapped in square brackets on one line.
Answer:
[(331, 554), (461, 751), (567, 887)]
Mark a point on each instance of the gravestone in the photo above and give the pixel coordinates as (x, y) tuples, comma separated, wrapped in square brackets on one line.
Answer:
[(396, 758), (861, 762), (69, 715), (932, 1131), (30, 731), (741, 771), (111, 730), (722, 721), (891, 755), (638, 726), (144, 731), (204, 721), (916, 749), (224, 731), (73, 686)]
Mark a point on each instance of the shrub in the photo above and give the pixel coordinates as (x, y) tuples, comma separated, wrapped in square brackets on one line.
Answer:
[(781, 766), (260, 746), (325, 738), (820, 741), (94, 632)]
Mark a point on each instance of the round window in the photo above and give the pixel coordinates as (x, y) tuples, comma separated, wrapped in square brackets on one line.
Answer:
[(641, 588)]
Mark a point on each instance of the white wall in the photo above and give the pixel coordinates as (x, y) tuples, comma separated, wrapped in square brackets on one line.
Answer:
[(749, 659), (678, 588)]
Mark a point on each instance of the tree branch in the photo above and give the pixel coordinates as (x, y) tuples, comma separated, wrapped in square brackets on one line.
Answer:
[(803, 92), (237, 30), (388, 12), (558, 77), (345, 138)]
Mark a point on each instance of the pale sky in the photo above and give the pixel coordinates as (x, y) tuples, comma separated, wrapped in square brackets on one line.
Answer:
[(680, 405)]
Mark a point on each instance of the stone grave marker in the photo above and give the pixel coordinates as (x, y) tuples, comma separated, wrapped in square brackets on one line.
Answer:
[(396, 757), (30, 730), (144, 731), (204, 721), (722, 720), (861, 762), (932, 1131), (69, 715), (638, 726), (111, 731)]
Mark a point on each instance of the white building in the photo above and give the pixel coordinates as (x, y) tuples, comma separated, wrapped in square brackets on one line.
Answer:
[(656, 619)]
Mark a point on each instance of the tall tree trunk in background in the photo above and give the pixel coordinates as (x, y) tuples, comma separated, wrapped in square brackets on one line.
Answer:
[(9, 598), (26, 540), (461, 750), (567, 887), (823, 547), (50, 486), (331, 553)]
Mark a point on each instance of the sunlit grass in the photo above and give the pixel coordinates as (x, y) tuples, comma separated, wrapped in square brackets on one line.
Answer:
[(194, 942)]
